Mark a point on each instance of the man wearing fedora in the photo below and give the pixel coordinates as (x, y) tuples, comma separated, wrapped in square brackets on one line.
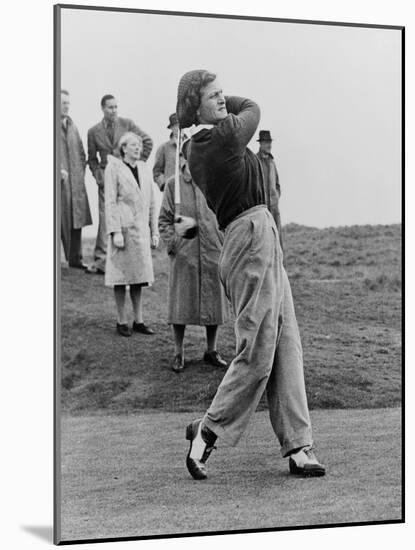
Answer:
[(271, 179), (165, 161)]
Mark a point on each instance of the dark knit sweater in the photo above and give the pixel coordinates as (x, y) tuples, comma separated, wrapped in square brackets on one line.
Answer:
[(134, 170), (227, 173)]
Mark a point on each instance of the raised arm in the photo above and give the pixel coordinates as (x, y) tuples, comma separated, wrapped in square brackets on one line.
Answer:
[(242, 121), (147, 141)]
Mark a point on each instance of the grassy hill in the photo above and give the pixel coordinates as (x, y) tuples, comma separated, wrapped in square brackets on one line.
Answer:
[(346, 283)]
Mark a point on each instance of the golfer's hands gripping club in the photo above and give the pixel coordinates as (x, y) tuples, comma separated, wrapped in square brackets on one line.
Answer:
[(185, 226)]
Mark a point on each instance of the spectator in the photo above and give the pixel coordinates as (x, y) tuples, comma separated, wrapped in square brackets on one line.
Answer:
[(166, 155), (271, 179), (196, 295), (132, 229), (75, 212), (102, 141)]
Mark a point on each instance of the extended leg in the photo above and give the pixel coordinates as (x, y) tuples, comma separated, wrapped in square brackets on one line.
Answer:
[(211, 337), (75, 255), (287, 398), (286, 393), (212, 356), (66, 218), (135, 294), (256, 298), (119, 294), (136, 300), (178, 334), (100, 251), (178, 361)]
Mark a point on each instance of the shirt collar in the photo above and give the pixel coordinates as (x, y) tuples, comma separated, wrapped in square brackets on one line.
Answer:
[(265, 155), (108, 122), (196, 128), (130, 165), (65, 121)]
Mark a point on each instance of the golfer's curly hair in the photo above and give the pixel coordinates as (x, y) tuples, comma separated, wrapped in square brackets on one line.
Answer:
[(188, 95)]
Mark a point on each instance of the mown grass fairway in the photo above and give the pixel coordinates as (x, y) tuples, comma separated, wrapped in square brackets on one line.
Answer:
[(124, 411), (126, 476)]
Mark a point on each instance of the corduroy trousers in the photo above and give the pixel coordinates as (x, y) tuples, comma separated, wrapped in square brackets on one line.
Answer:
[(268, 346)]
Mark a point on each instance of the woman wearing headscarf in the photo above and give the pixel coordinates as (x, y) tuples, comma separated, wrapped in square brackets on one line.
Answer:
[(196, 296), (131, 221), (269, 354)]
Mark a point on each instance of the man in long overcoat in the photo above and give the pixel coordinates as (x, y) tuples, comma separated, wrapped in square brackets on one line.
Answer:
[(196, 295), (75, 212), (271, 178), (165, 160), (103, 140)]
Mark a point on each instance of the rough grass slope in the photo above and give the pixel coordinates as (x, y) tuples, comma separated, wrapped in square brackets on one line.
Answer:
[(346, 284)]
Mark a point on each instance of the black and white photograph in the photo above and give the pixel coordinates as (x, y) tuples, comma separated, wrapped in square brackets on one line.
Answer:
[(204, 274), (229, 308)]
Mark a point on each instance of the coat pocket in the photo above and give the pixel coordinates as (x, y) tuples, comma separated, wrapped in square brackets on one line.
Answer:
[(126, 215), (114, 249)]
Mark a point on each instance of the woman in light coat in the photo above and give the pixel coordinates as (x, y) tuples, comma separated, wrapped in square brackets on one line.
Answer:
[(131, 221), (196, 296)]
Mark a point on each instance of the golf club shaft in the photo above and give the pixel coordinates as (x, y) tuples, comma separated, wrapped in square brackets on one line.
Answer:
[(177, 199)]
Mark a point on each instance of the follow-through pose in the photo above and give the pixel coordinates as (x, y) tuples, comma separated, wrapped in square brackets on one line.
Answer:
[(269, 354)]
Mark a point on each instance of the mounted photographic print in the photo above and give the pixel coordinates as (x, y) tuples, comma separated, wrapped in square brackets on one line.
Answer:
[(228, 238)]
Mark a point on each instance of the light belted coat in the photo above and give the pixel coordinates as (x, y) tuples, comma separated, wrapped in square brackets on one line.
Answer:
[(196, 295), (129, 209)]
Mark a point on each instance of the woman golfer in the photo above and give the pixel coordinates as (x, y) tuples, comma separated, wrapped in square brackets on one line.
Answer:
[(268, 346)]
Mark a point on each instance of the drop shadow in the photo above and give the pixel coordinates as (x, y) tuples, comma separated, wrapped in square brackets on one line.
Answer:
[(44, 532)]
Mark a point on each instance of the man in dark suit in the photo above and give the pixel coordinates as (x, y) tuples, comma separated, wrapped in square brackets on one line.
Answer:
[(102, 141)]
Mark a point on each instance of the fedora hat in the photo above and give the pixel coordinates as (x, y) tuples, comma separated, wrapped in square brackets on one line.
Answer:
[(264, 135), (172, 120)]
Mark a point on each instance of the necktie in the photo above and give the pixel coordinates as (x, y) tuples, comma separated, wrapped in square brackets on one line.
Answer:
[(110, 132)]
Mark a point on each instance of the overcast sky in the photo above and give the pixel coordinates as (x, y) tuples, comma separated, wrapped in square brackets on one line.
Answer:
[(330, 96)]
